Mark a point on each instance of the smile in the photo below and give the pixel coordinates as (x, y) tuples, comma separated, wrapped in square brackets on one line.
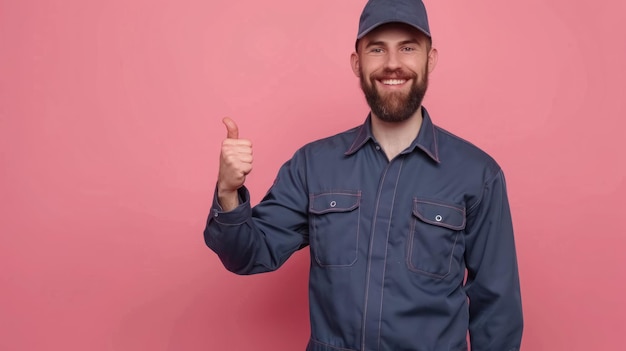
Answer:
[(393, 81)]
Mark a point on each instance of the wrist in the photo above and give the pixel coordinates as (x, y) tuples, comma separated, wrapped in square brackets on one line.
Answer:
[(228, 199)]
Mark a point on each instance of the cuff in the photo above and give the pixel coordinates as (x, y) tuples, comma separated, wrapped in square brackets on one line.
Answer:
[(238, 215)]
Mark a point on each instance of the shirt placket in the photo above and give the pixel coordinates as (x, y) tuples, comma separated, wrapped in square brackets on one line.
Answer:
[(377, 255)]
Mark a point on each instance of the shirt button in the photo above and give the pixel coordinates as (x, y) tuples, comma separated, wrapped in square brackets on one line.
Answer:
[(215, 213), (438, 218), (378, 147), (333, 203)]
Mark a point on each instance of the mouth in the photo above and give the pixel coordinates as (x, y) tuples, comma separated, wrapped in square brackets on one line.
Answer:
[(393, 82)]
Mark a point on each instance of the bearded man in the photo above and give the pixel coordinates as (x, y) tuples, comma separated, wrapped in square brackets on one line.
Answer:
[(408, 225)]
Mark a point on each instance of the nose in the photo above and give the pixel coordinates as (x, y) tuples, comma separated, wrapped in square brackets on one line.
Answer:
[(393, 61)]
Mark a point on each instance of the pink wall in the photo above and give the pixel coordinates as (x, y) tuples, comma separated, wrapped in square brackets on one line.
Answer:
[(110, 125)]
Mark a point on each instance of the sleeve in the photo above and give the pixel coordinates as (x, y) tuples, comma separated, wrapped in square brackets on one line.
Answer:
[(492, 285), (260, 239)]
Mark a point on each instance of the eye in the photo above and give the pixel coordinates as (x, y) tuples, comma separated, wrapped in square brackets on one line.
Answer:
[(376, 50), (408, 49)]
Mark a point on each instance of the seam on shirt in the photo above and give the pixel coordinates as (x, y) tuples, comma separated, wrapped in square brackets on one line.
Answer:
[(331, 346), (460, 210), (282, 259), (382, 295), (436, 141), (369, 259), (419, 271), (229, 224), (352, 149), (482, 193)]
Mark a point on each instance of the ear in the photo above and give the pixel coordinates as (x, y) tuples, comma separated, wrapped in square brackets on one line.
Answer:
[(433, 56), (355, 63)]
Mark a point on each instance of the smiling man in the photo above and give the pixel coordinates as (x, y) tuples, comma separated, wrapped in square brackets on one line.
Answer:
[(398, 59), (409, 226)]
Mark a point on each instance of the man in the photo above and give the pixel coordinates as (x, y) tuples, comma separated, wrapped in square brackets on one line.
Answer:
[(396, 213)]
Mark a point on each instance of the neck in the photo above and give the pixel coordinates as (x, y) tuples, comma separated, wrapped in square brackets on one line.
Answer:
[(394, 137)]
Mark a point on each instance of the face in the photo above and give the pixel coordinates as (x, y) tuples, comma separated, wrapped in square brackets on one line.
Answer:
[(392, 63)]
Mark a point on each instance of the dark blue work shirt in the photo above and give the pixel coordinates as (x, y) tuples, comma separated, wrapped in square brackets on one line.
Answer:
[(390, 242)]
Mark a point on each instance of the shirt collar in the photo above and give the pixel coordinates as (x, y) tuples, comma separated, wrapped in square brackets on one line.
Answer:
[(426, 139)]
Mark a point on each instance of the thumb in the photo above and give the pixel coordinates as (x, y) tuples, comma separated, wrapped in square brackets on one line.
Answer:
[(231, 128)]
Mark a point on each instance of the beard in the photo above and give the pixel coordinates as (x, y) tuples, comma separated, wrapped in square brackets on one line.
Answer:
[(396, 106)]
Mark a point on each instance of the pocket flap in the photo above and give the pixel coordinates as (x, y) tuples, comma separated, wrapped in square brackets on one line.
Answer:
[(441, 214), (343, 201)]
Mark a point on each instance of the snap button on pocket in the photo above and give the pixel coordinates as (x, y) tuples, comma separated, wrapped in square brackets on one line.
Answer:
[(333, 203), (438, 218)]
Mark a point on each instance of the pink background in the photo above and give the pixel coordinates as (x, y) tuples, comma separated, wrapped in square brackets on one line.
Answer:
[(110, 126)]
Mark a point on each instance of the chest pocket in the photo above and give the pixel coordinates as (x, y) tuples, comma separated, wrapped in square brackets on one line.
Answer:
[(334, 227), (435, 233)]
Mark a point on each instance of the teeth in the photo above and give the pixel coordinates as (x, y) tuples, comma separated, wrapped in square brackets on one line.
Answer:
[(393, 81)]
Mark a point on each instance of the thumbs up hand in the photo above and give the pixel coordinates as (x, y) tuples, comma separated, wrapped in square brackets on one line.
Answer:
[(235, 164)]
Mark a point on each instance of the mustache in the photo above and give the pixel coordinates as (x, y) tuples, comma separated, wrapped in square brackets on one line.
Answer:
[(394, 74)]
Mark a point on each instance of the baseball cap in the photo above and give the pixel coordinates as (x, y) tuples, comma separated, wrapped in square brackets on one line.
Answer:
[(379, 12)]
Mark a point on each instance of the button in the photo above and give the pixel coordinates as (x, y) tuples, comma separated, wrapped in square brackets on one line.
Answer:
[(377, 147), (215, 213), (438, 218), (333, 203)]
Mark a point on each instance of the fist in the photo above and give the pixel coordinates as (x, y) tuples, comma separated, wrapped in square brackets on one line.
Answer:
[(235, 160)]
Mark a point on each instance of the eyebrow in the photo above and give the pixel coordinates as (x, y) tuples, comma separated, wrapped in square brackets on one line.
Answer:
[(382, 43)]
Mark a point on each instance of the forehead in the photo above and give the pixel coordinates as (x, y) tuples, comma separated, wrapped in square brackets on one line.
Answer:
[(394, 32)]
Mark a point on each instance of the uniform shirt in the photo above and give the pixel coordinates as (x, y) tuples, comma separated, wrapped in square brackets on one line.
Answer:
[(406, 254)]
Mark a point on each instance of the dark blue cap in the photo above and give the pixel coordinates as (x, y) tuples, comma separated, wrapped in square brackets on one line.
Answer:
[(378, 12)]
